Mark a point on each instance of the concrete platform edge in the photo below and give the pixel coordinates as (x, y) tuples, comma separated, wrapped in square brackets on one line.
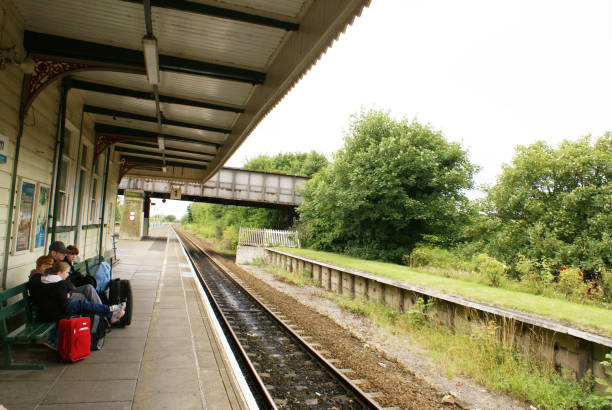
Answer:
[(227, 354)]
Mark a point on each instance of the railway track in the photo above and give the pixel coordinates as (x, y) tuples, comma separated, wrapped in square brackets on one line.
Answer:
[(282, 369)]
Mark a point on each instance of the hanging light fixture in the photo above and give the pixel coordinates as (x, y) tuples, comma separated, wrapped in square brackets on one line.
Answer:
[(149, 47)]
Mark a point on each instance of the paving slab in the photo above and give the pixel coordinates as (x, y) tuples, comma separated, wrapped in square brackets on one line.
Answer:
[(102, 371), (110, 405), (91, 391)]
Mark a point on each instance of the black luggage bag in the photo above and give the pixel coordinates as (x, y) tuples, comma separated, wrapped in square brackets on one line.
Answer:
[(100, 327), (121, 291)]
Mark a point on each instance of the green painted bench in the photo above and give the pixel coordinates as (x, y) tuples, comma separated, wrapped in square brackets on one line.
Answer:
[(30, 331)]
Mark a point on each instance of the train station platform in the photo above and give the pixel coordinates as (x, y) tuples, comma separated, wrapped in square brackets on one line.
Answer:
[(170, 357)]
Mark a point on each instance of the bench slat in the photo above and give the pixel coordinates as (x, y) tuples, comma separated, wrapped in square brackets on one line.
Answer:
[(10, 310), (32, 330), (9, 293)]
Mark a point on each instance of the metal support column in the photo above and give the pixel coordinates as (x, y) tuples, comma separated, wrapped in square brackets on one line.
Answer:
[(9, 220), (146, 212)]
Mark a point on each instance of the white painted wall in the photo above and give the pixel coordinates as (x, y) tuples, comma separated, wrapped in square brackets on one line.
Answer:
[(36, 159)]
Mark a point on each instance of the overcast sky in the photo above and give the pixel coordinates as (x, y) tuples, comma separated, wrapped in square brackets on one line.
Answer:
[(489, 74)]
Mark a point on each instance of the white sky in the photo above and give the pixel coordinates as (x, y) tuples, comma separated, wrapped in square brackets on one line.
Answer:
[(489, 74)]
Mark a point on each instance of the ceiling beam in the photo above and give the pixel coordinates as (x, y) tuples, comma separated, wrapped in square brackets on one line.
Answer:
[(106, 129), (168, 156), (146, 95), (153, 145), (214, 11), (47, 45), (122, 114), (150, 161)]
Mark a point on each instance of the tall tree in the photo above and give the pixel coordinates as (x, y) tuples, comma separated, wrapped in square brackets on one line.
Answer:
[(296, 163), (394, 183), (556, 204)]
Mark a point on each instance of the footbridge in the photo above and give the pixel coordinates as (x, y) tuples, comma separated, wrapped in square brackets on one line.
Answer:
[(230, 186)]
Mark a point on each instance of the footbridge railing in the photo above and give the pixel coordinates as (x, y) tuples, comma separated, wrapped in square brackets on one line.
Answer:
[(268, 237)]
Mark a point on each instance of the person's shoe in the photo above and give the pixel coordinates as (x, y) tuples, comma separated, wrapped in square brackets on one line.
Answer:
[(117, 315), (50, 344)]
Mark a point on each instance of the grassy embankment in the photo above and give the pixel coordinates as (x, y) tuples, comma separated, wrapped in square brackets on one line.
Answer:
[(223, 241), (593, 317), (476, 354)]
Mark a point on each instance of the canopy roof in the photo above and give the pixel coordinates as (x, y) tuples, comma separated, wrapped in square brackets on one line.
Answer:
[(223, 65)]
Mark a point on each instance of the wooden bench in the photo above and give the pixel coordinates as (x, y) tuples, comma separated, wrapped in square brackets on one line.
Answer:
[(30, 331)]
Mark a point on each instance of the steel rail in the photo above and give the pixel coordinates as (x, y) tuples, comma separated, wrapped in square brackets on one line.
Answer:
[(345, 381)]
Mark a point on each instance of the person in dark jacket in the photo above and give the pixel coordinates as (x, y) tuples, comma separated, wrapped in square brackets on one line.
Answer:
[(76, 277), (52, 297), (58, 251)]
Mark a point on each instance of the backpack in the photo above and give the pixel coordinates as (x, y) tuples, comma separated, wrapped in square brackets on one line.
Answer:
[(99, 328), (102, 273), (78, 279)]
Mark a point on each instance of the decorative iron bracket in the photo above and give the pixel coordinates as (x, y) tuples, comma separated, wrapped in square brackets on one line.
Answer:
[(45, 71), (104, 141), (124, 168)]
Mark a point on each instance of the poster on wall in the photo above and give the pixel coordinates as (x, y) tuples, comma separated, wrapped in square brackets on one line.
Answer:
[(42, 206), (4, 144), (24, 221)]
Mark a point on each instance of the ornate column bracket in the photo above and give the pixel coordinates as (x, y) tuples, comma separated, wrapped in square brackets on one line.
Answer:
[(124, 168), (104, 141), (45, 71)]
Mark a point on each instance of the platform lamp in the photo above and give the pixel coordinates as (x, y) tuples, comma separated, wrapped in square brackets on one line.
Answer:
[(149, 47)]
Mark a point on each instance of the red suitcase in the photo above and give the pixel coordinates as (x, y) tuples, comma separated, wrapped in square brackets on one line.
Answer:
[(74, 339)]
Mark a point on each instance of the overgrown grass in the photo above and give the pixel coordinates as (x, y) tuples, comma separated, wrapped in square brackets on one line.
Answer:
[(221, 241), (477, 354), (574, 313)]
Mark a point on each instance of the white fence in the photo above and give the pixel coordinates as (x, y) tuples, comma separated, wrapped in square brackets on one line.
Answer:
[(268, 237)]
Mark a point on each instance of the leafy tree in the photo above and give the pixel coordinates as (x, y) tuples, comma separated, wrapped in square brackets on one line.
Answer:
[(393, 184), (554, 206), (170, 218), (118, 212), (295, 163)]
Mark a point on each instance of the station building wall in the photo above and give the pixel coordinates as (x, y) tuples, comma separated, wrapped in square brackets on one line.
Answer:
[(81, 180)]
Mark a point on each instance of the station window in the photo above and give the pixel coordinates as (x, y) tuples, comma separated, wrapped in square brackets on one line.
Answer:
[(81, 191), (66, 175), (93, 207), (67, 148), (100, 164), (84, 156), (63, 196)]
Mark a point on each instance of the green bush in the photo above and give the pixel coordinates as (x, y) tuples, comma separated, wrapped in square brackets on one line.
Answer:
[(438, 258), (571, 283), (491, 268)]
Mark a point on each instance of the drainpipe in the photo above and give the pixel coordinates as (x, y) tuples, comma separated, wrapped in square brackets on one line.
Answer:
[(100, 256), (9, 220), (62, 131)]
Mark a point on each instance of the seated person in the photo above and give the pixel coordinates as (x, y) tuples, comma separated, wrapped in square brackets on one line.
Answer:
[(76, 277), (43, 263), (58, 252), (52, 297)]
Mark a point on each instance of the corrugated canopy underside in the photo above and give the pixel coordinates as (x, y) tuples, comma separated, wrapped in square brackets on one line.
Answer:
[(223, 66)]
